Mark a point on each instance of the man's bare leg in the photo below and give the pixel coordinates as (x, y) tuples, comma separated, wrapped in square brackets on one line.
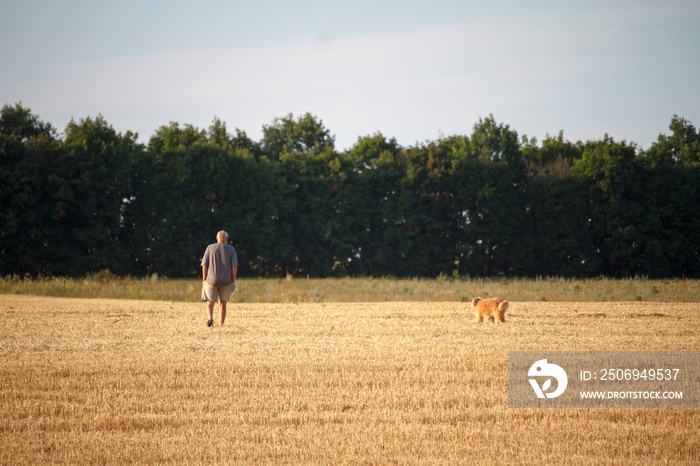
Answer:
[(210, 309), (223, 311)]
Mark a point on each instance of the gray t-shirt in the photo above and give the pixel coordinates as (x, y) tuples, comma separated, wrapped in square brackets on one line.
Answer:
[(220, 258)]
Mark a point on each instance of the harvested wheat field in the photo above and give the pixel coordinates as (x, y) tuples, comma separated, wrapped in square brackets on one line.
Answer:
[(119, 382)]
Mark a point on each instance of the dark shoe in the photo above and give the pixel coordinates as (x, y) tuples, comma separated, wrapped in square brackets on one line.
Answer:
[(210, 322)]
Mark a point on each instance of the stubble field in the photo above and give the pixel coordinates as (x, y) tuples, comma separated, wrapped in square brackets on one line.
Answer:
[(95, 381)]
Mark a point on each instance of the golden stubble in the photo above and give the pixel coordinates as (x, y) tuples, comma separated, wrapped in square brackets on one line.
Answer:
[(118, 382)]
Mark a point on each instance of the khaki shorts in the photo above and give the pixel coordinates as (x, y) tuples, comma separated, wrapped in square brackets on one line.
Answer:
[(213, 293)]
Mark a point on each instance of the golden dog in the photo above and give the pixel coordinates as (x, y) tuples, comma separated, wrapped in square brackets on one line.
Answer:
[(493, 308)]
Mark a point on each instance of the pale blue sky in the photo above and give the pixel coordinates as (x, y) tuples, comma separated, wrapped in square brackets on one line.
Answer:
[(413, 70)]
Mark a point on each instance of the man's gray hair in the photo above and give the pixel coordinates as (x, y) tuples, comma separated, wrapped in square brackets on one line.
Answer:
[(222, 234)]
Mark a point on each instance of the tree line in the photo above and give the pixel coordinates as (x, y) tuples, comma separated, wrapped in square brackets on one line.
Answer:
[(484, 204)]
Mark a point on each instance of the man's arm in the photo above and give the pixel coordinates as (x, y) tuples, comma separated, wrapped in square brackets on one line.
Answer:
[(205, 269), (234, 272)]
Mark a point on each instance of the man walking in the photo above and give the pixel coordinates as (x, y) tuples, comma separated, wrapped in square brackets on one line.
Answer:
[(219, 269)]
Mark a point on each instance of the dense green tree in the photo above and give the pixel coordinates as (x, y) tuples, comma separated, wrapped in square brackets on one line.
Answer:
[(554, 153), (671, 196), (95, 183), (306, 226), (172, 138), (563, 226), (483, 204), (65, 200), (428, 203), (683, 144), (308, 223), (617, 213), (28, 153), (202, 183), (21, 122), (303, 135), (499, 231), (559, 209), (374, 220)]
